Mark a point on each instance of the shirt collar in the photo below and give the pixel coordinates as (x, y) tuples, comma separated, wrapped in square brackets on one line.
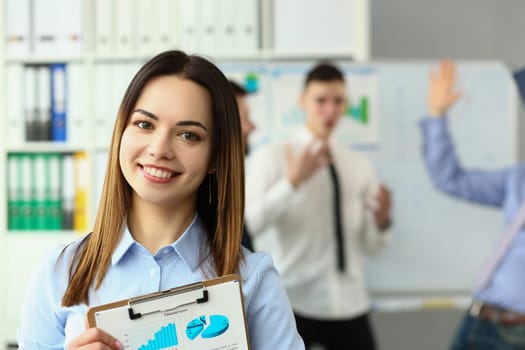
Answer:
[(125, 243), (189, 245), (305, 135)]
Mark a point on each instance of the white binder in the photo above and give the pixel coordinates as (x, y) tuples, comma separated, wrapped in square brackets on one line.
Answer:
[(169, 35), (17, 30), (70, 34), (188, 25), (15, 103), (247, 31), (45, 26), (104, 26), (147, 25), (76, 124), (124, 17)]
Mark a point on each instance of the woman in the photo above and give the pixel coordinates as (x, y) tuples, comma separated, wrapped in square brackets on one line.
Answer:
[(170, 214)]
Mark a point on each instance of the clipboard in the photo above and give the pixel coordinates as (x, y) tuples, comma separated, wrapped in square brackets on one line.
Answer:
[(203, 315)]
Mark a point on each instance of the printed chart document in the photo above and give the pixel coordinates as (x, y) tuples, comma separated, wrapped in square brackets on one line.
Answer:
[(203, 315)]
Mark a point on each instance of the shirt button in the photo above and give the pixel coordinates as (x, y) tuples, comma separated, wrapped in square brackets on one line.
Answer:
[(166, 251)]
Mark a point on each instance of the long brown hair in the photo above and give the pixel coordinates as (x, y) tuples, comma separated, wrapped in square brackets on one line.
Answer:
[(223, 217)]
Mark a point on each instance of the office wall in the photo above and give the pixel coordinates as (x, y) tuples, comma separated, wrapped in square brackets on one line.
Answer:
[(467, 29), (429, 29)]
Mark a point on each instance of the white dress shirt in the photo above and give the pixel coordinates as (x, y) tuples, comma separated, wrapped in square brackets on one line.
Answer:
[(296, 226)]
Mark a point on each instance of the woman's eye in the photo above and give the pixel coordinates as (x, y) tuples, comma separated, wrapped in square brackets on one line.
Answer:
[(188, 136), (143, 124)]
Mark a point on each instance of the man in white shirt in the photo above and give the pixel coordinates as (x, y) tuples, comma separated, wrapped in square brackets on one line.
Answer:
[(292, 213)]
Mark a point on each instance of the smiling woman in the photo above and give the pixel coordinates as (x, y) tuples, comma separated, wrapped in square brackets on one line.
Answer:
[(171, 213), (166, 147)]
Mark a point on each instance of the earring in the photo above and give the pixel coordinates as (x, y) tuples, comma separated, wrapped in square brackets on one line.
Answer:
[(209, 189)]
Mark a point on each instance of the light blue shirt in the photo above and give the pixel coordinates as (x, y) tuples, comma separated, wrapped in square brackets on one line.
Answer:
[(499, 188), (134, 271)]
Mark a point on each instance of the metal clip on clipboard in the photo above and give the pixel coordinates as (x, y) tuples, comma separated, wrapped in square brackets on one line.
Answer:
[(170, 292)]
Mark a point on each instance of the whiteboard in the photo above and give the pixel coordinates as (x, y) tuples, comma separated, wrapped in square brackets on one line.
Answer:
[(438, 243)]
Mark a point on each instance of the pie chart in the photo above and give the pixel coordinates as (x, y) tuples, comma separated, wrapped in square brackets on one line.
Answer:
[(210, 327)]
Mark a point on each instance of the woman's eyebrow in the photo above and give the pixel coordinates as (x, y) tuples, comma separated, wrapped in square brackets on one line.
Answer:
[(146, 113), (192, 122), (180, 123)]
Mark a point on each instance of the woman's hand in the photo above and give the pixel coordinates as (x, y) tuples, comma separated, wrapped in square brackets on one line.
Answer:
[(94, 338)]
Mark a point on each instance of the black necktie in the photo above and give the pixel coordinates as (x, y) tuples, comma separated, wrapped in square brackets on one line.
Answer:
[(337, 220)]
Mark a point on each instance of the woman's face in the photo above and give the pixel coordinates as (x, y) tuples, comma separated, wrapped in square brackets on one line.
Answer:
[(165, 150)]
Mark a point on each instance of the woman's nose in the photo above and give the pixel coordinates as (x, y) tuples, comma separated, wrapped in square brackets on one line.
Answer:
[(162, 146)]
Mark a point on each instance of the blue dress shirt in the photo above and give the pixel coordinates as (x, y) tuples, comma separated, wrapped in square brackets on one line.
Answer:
[(499, 188), (134, 271)]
